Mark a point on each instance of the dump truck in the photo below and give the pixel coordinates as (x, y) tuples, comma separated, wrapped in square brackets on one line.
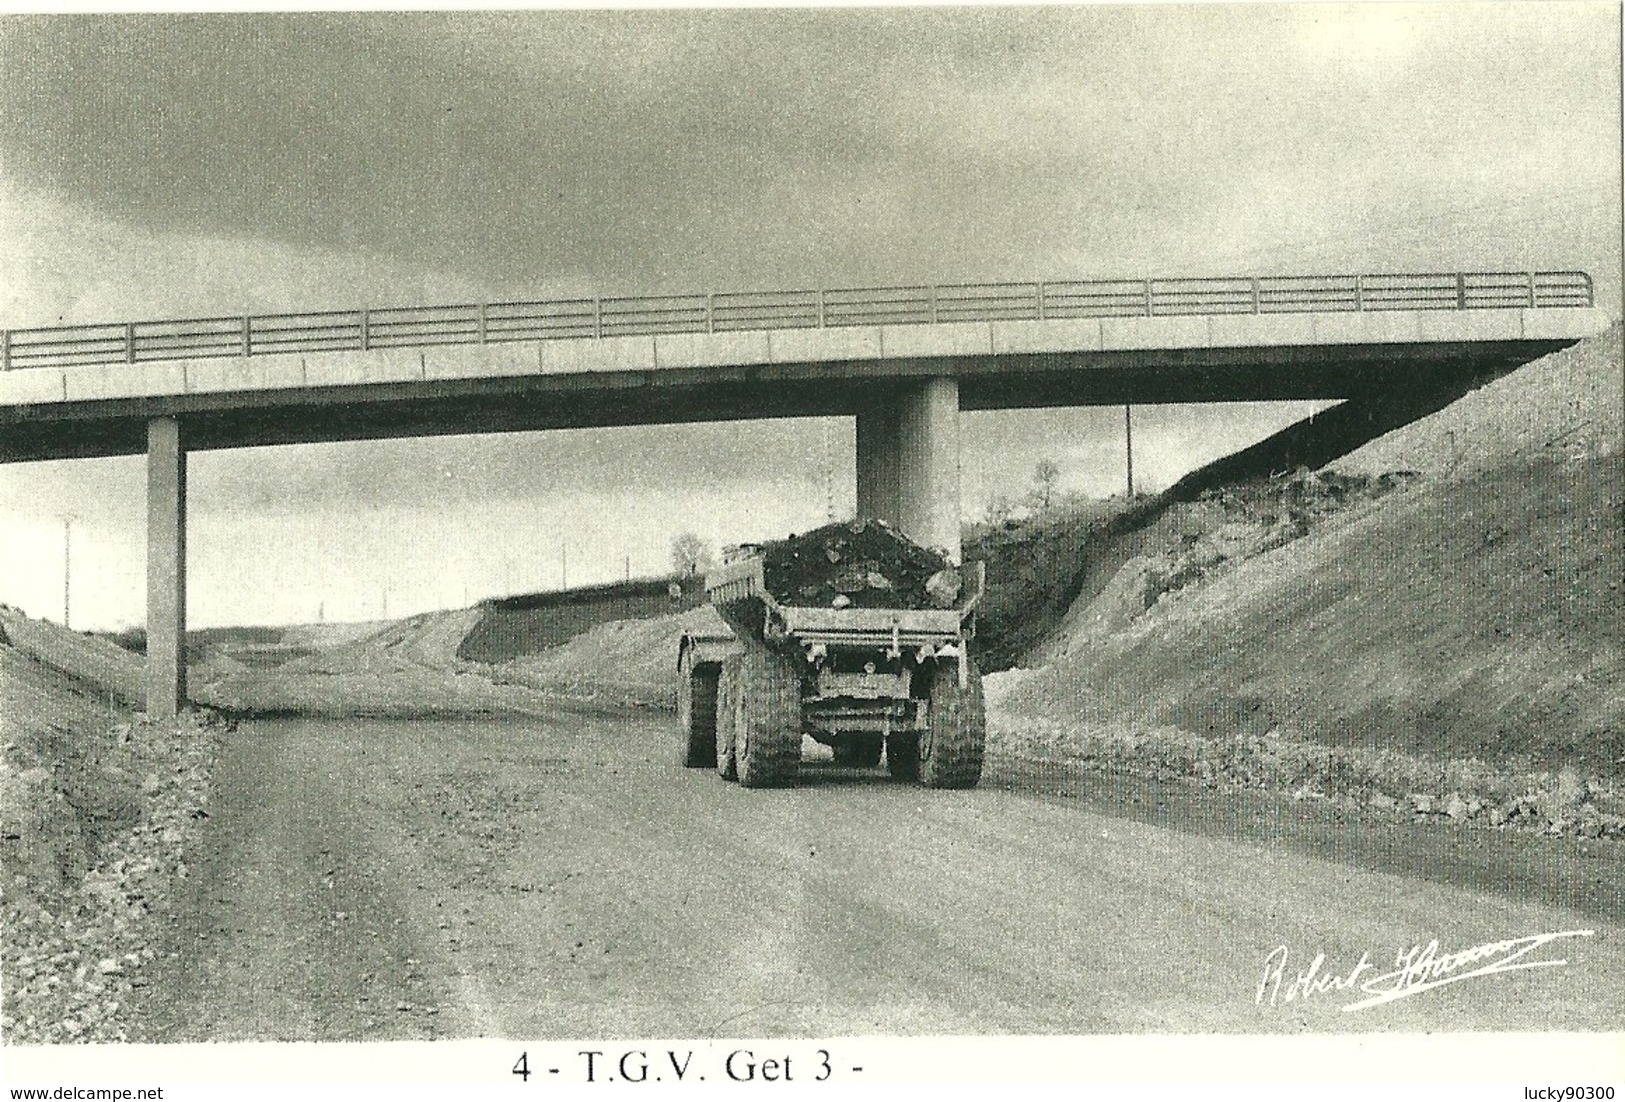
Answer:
[(851, 635)]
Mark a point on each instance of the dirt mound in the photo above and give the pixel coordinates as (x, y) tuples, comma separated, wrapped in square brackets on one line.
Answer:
[(317, 636), (869, 563), (408, 668)]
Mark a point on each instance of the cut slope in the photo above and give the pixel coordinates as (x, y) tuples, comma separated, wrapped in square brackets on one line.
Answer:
[(1480, 618), (513, 627), (60, 695), (429, 640), (1475, 615), (1042, 573), (408, 668), (625, 661), (1567, 404), (95, 665)]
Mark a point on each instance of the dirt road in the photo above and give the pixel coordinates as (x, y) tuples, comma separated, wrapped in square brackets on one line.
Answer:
[(373, 880)]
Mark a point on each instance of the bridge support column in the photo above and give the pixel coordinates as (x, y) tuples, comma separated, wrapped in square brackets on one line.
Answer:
[(166, 568), (878, 456), (928, 465), (908, 464)]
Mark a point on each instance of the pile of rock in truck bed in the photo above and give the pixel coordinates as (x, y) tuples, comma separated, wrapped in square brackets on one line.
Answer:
[(859, 564)]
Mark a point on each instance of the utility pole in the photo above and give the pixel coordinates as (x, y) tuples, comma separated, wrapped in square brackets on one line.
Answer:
[(1128, 447), (67, 565), (829, 468)]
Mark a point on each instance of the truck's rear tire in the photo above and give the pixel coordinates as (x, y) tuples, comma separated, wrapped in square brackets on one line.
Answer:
[(727, 711), (950, 748), (767, 719), (903, 757), (697, 714), (858, 751)]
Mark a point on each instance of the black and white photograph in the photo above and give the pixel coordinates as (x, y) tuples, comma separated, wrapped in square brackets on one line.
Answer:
[(553, 548)]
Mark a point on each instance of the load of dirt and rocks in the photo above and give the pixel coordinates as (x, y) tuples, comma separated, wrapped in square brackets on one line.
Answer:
[(860, 564)]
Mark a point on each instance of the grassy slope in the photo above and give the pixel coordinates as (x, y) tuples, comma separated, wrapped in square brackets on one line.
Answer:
[(1474, 614)]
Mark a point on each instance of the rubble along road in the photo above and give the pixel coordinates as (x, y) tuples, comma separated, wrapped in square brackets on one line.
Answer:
[(559, 877)]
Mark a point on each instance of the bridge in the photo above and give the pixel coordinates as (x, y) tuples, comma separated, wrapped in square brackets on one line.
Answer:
[(902, 360)]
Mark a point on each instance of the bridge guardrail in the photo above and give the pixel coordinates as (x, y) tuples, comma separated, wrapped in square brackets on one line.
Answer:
[(553, 319)]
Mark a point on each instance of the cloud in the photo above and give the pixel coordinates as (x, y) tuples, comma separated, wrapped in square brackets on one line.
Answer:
[(682, 150), (66, 263)]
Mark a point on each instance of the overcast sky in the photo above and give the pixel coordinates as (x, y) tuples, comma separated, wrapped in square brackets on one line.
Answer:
[(157, 166)]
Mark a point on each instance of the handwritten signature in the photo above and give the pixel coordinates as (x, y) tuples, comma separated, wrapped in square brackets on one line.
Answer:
[(1417, 969)]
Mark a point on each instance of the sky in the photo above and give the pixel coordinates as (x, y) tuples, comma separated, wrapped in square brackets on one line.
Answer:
[(170, 166)]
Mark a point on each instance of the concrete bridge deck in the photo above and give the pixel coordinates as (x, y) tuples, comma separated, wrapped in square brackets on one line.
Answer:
[(50, 412)]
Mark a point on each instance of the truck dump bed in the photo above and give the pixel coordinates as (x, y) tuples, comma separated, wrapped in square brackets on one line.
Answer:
[(880, 590)]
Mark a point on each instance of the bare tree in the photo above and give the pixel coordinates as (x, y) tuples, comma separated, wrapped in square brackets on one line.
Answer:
[(1046, 476), (690, 555), (999, 510)]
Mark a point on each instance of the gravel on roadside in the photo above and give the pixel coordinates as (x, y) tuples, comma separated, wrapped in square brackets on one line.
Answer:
[(103, 835)]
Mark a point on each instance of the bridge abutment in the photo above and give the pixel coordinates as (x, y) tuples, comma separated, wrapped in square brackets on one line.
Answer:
[(166, 568), (908, 463)]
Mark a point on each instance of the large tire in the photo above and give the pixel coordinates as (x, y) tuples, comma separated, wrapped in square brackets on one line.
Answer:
[(767, 719), (697, 714), (950, 747), (727, 716), (858, 751)]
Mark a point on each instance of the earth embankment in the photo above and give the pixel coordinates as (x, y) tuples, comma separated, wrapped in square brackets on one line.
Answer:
[(1449, 641), (99, 810)]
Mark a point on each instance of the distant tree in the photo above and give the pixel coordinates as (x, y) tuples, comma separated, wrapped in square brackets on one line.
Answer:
[(1046, 477), (999, 509), (690, 555)]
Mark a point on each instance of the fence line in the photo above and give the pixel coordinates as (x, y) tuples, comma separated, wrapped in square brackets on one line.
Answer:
[(554, 319)]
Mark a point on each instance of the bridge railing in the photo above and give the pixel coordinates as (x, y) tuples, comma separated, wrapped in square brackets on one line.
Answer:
[(552, 319)]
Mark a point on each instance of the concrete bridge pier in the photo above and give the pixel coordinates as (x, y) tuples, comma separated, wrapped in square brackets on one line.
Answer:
[(166, 568), (878, 453), (908, 463)]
